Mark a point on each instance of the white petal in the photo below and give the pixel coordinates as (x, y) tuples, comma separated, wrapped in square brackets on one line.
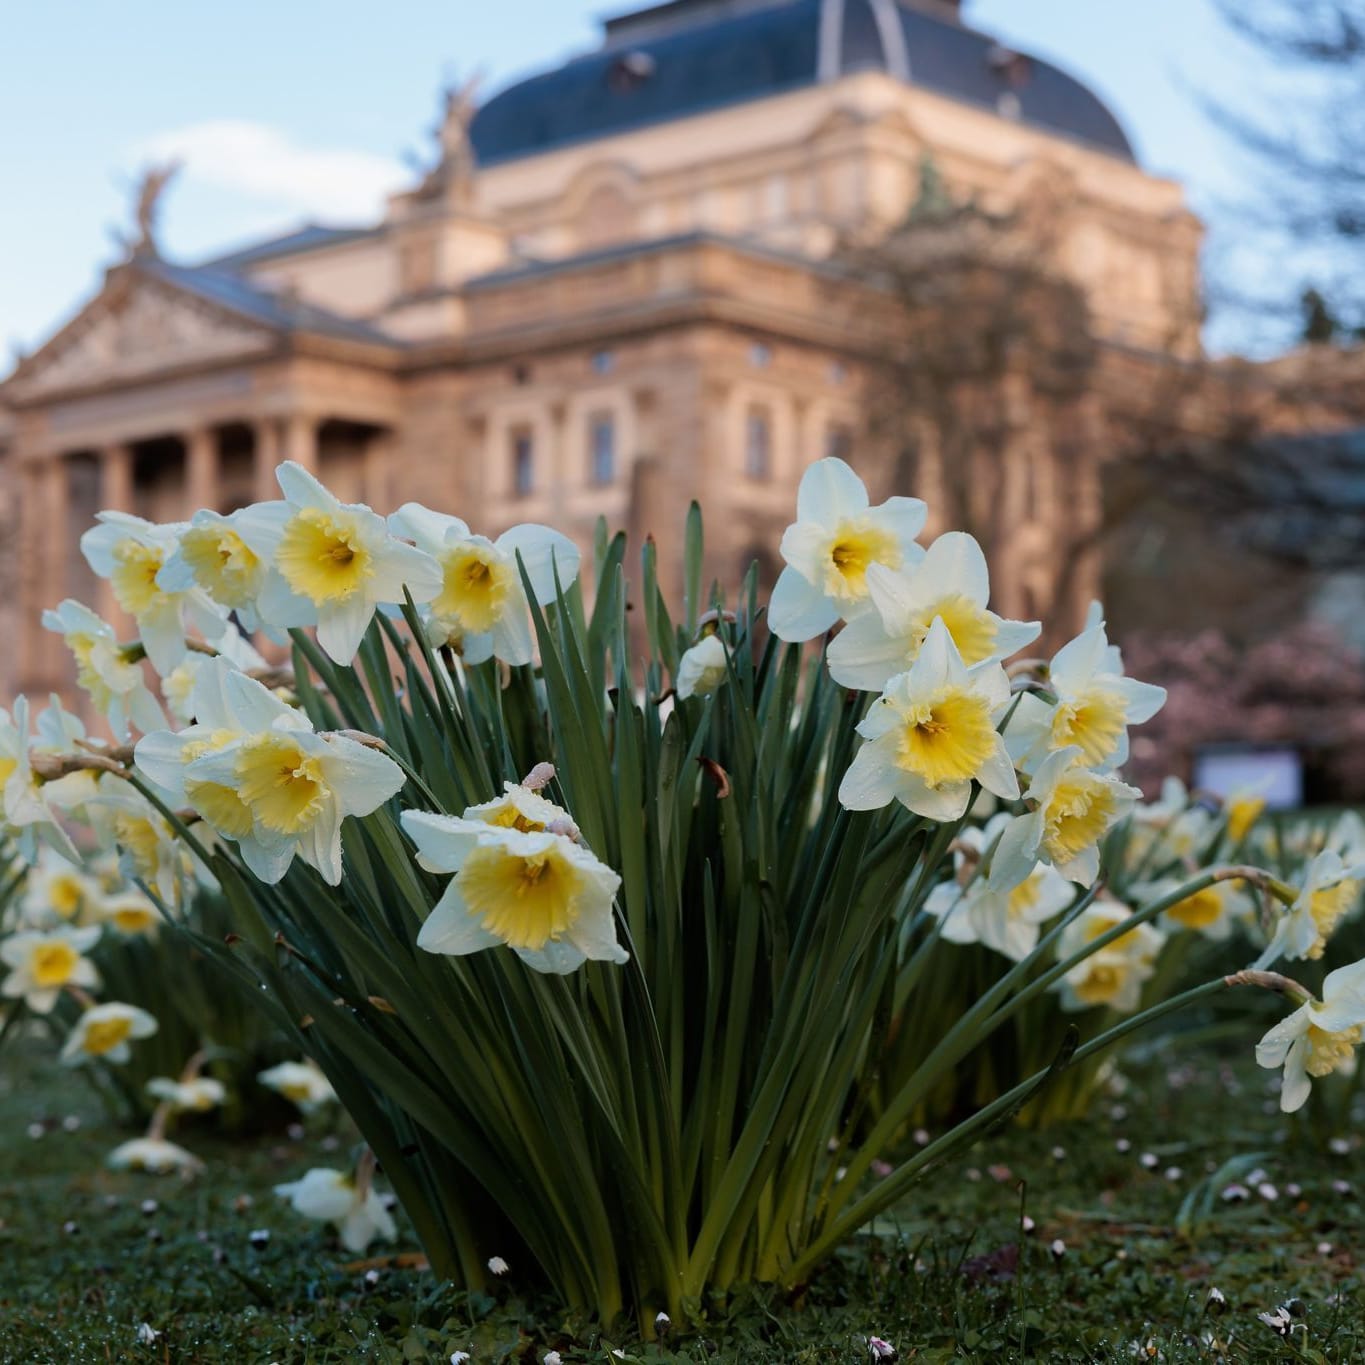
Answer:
[(451, 929), (1016, 852), (997, 773), (829, 491), (955, 563), (342, 626), (864, 656), (798, 611), (1079, 660), (904, 518), (871, 782), (303, 489), (401, 567), (427, 529), (443, 841), (543, 551)]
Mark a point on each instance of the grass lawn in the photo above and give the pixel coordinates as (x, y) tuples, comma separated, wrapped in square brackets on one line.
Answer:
[(86, 1261)]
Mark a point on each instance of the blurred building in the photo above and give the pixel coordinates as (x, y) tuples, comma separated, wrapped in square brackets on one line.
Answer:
[(622, 284)]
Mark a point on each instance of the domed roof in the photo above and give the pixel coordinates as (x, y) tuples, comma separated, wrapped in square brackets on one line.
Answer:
[(690, 56)]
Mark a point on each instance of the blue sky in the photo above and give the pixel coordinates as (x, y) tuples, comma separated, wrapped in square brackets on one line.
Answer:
[(306, 109)]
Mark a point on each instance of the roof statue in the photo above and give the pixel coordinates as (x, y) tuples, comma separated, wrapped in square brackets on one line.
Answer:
[(150, 189), (453, 173)]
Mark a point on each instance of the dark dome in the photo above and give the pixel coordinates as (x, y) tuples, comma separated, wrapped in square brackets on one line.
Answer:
[(689, 56)]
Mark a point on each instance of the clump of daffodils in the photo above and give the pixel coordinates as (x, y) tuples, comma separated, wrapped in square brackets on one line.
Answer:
[(655, 971)]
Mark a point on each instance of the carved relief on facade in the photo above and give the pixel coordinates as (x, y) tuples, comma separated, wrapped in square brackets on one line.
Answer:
[(147, 332)]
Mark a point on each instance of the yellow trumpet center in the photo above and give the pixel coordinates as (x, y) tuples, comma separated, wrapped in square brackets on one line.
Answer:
[(104, 1035), (1023, 898), (1077, 814), (133, 919), (1101, 984), (8, 767), (222, 563), (1327, 907), (323, 557), (947, 739), (282, 787), (1243, 812), (141, 840), (525, 900), (855, 545), (1329, 1051), (134, 577), (973, 630), (477, 583), (1095, 721), (1198, 911), (53, 963)]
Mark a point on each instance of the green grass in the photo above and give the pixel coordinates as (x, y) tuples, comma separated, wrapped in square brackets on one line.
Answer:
[(941, 1281)]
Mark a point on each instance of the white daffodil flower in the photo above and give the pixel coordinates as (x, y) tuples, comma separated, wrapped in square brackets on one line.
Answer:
[(1005, 921), (256, 771), (43, 962), (1330, 890), (58, 892), (212, 555), (331, 563), (301, 1083), (481, 608), (178, 685), (227, 707), (1113, 976), (196, 1096), (1346, 838), (104, 1031), (1072, 809), (149, 851), (115, 684), (1245, 806), (702, 669), (829, 547), (931, 734), (334, 1197), (539, 893), (131, 554), (1094, 708), (154, 1155), (30, 808), (951, 583), (130, 914), (1213, 912), (1319, 1037)]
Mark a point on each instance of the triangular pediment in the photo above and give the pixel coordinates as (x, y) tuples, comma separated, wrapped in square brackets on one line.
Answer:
[(137, 327)]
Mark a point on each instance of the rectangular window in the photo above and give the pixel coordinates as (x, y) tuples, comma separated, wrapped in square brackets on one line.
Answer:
[(758, 444), (523, 463), (839, 441), (602, 448)]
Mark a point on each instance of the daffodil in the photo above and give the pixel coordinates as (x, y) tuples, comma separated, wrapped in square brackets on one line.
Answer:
[(1005, 921), (481, 607), (1071, 809), (31, 807), (336, 1197), (213, 554), (196, 1095), (932, 734), (1330, 891), (131, 554), (104, 1031), (1241, 810), (155, 1156), (43, 962), (130, 914), (331, 563), (57, 891), (539, 893), (1094, 706), (302, 1083), (1111, 977), (837, 535), (952, 584), (149, 850), (1214, 912), (702, 668), (1320, 1037), (105, 670)]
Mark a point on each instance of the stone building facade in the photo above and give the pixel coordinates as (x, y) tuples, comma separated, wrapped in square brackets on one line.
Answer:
[(619, 287)]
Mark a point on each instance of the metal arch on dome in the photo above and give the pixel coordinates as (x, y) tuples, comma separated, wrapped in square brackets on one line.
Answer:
[(830, 63)]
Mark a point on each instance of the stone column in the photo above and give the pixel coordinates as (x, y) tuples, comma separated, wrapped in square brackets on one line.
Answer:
[(46, 525), (201, 469), (301, 440), (267, 435), (32, 636)]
